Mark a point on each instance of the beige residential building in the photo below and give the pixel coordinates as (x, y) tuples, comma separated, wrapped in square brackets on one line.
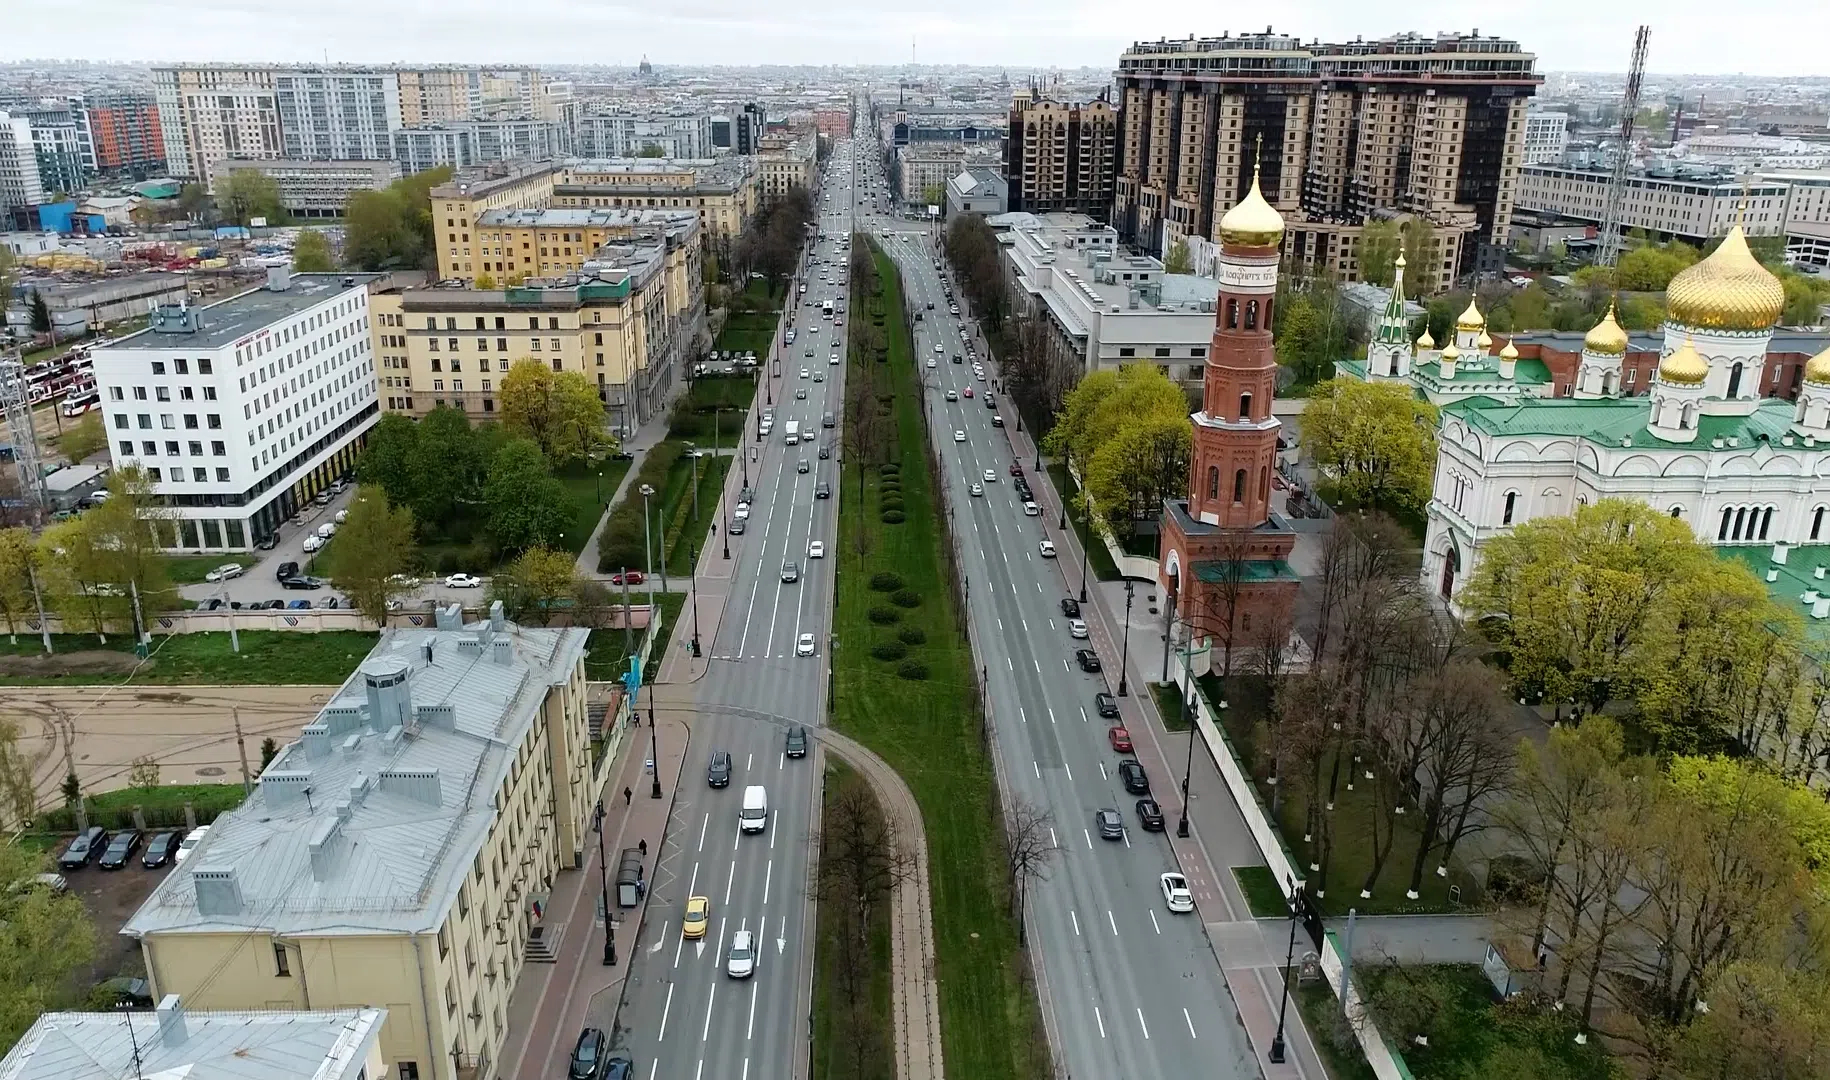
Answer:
[(1691, 208), (1061, 156), (786, 162), (726, 191), (457, 204), (398, 855)]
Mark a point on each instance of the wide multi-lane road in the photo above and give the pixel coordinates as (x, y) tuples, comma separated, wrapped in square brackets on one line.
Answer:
[(684, 1018), (1132, 990)]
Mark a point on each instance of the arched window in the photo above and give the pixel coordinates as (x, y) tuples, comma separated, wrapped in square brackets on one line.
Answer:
[(1677, 512), (1734, 380), (1267, 314), (1689, 419), (1213, 481), (1245, 406), (1740, 523), (1766, 519), (1728, 518), (1394, 369), (1251, 314), (1232, 314), (1239, 486), (1512, 503), (1817, 523)]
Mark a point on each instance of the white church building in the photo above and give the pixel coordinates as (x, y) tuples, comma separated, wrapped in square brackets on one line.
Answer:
[(1703, 445)]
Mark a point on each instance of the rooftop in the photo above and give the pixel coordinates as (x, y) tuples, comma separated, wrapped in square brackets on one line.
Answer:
[(1804, 342), (483, 179), (1621, 422), (598, 217), (370, 821), (1796, 582), (227, 321), (202, 1045)]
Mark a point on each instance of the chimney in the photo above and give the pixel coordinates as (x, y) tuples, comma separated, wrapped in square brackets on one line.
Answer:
[(1821, 609), (279, 278), (339, 719), (1779, 552), (1818, 573), (284, 788), (316, 738), (218, 893), (171, 1021), (498, 621), (450, 617), (502, 651), (438, 716), (389, 692), (326, 848), (420, 785)]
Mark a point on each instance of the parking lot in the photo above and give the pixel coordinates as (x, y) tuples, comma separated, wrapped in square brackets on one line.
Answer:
[(111, 896)]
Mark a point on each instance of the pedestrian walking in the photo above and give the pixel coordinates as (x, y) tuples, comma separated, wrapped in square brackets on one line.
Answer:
[(627, 795), (643, 847)]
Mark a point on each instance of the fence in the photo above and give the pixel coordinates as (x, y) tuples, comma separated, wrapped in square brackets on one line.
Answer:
[(617, 723), (310, 621)]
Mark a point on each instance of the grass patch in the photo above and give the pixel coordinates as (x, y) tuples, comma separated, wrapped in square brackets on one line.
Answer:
[(190, 569), (852, 1033), (1099, 560), (590, 486), (1472, 1035), (713, 392), (1169, 705), (687, 533), (1262, 893), (604, 651), (624, 543), (1409, 518), (162, 807), (267, 657), (930, 731), (1321, 1012)]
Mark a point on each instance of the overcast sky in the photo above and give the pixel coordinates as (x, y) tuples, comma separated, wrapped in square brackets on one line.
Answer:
[(1688, 36)]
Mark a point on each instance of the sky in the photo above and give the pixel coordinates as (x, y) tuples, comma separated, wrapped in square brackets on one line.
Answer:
[(1688, 36)]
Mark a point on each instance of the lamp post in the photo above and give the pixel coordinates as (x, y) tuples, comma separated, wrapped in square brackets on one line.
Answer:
[(1124, 653), (603, 882), (654, 746), (693, 588), (648, 547), (1086, 541), (600, 487), (1283, 1004)]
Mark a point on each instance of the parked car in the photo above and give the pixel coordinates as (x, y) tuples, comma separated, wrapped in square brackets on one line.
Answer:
[(86, 846), (189, 844), (1070, 607), (1047, 547), (1118, 735), (302, 582), (588, 1056), (286, 570), (224, 572), (126, 992), (1132, 774), (1077, 628), (159, 850), (1106, 704), (1087, 659), (299, 605), (121, 847), (1150, 815), (463, 581), (627, 577)]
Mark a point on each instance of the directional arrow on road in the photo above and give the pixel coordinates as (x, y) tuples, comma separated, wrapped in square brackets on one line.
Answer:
[(781, 945), (699, 947)]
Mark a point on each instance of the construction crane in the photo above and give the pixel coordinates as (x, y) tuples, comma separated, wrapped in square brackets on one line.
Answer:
[(1609, 251)]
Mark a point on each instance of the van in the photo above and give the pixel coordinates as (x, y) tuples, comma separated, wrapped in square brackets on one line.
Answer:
[(754, 817)]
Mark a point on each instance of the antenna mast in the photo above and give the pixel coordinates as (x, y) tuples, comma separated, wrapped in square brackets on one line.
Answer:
[(1609, 251), (15, 402)]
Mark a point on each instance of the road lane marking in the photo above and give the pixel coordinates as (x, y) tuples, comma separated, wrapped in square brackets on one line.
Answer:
[(712, 997), (1140, 1022), (1153, 921), (1127, 837), (1102, 771), (1008, 664), (1069, 769), (1189, 1020), (1038, 664), (749, 760), (1113, 921), (700, 1071), (653, 1068), (1036, 765), (707, 824), (728, 882), (750, 1031), (1076, 919), (1024, 715), (774, 821), (769, 872), (1100, 1021), (1051, 714), (1052, 842), (1083, 714), (1088, 837), (662, 1035), (1064, 667)]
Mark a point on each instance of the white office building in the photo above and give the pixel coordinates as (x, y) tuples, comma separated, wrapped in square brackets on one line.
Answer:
[(20, 184), (1546, 135), (675, 135), (242, 411), (335, 115)]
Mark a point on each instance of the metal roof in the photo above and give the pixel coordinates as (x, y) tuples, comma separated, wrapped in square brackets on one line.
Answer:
[(203, 1046)]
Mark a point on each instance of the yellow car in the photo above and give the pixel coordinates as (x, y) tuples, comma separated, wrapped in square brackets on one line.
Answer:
[(698, 914)]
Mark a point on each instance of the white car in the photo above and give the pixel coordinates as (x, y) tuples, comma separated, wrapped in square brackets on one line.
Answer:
[(189, 844), (814, 329), (742, 513), (805, 373), (991, 476), (816, 549), (804, 646), (930, 363), (1047, 547), (1176, 894), (312, 543), (1030, 509), (938, 348), (224, 572), (977, 489), (740, 962), (952, 395), (1077, 628), (959, 436), (463, 581), (789, 337), (833, 359)]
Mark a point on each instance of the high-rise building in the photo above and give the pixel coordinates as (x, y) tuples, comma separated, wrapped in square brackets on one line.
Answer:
[(19, 181), (60, 138), (1404, 126), (1061, 156), (658, 134), (337, 115), (740, 132), (1546, 136), (124, 126)]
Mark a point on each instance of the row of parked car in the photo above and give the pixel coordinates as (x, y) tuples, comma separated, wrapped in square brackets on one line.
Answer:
[(113, 850)]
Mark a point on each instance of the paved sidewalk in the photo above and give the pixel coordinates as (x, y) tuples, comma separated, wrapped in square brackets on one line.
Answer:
[(637, 446)]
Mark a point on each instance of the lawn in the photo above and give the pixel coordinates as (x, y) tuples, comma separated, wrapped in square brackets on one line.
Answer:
[(1169, 705), (266, 657), (930, 731), (1321, 1012), (626, 538), (722, 392), (1262, 893), (850, 1043), (190, 569), (688, 521), (604, 652), (1099, 559), (590, 486), (162, 807), (1470, 1033)]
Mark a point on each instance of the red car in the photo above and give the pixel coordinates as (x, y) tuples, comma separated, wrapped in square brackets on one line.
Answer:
[(1016, 468), (1120, 739), (632, 577), (967, 391)]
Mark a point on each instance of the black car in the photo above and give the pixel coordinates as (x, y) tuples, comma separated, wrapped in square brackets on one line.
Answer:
[(718, 772), (159, 850), (126, 992), (1070, 607), (619, 1068), (588, 1055), (213, 603), (268, 542), (121, 847), (1106, 704), (1133, 776), (286, 570), (822, 490), (746, 497), (1150, 815), (825, 452), (797, 741), (301, 582), (736, 527), (1110, 824), (1088, 659), (86, 846)]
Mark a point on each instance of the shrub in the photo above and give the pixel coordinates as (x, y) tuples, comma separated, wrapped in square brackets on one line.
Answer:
[(892, 517), (890, 468), (884, 616), (889, 650), (913, 670), (906, 598), (912, 635), (886, 581), (893, 504)]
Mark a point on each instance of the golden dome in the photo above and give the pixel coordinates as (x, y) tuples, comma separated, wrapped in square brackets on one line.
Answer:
[(1426, 341), (1484, 341), (1685, 366), (1730, 290), (1252, 222), (1606, 337), (1509, 351), (1400, 263), (1817, 369), (1450, 352), (1471, 319)]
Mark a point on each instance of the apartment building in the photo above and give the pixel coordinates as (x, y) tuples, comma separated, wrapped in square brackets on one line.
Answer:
[(458, 203), (1807, 222), (739, 132), (834, 123), (1693, 207), (1546, 136), (518, 244), (400, 852), (240, 412), (20, 184), (464, 144), (1341, 133), (660, 134), (784, 162), (61, 140), (1061, 157), (726, 191), (314, 189), (124, 126), (923, 169)]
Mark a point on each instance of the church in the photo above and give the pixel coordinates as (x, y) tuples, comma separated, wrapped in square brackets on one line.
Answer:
[(1748, 472)]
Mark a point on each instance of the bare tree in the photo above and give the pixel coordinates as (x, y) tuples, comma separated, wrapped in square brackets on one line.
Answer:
[(1029, 845), (861, 864), (1221, 617)]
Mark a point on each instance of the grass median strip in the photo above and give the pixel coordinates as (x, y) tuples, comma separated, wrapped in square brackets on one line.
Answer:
[(853, 1023), (266, 657)]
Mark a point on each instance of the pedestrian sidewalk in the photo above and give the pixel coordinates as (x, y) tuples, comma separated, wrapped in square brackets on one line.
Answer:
[(637, 446)]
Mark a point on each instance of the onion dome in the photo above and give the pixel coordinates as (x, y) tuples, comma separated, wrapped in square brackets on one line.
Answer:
[(1606, 337), (1426, 341), (1509, 351), (1730, 290), (1484, 341), (1817, 369), (1685, 366), (1471, 319), (1400, 263), (1252, 222), (1450, 352)]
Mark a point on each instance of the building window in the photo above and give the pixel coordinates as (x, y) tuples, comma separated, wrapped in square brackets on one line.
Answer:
[(1239, 486), (558, 365), (181, 367), (204, 367), (1162, 350), (1512, 504), (282, 966), (158, 367), (1734, 380), (1245, 406), (1766, 521), (1213, 481), (1251, 314), (1127, 351)]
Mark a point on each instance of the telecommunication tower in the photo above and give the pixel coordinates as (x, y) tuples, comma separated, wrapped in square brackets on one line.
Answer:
[(15, 401), (1609, 250)]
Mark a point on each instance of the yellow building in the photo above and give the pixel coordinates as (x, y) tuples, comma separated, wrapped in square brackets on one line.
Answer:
[(786, 162), (726, 192), (399, 854), (457, 205)]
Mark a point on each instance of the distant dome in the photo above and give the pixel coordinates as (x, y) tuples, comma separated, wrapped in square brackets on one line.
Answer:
[(1252, 222), (1606, 337), (1685, 367), (1450, 352), (1484, 341), (1471, 319), (1817, 369), (1509, 351), (1730, 290), (1425, 341)]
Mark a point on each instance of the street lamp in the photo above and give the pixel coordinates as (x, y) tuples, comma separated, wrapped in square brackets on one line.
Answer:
[(1283, 1004), (654, 741), (648, 546), (603, 881), (1124, 653), (693, 587), (1086, 541)]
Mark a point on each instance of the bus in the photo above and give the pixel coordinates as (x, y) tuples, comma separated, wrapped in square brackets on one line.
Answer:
[(826, 309), (79, 403)]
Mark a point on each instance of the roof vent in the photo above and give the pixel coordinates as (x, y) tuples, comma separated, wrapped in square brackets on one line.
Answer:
[(218, 893), (279, 278), (285, 787), (316, 738), (172, 1031), (390, 697), (420, 785), (326, 848), (443, 715), (502, 651)]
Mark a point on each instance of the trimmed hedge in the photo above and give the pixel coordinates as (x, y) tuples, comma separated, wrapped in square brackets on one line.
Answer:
[(621, 544), (884, 616), (889, 468), (912, 635), (906, 598), (892, 517), (913, 670), (889, 650), (886, 581)]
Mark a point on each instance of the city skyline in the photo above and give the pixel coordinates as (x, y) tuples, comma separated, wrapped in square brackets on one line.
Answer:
[(1021, 33)]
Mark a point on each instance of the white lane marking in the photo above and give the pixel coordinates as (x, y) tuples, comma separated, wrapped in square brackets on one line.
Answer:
[(1088, 837), (735, 838), (1069, 769), (1000, 626), (1023, 714), (709, 999), (653, 1068), (1076, 919), (769, 872), (782, 762), (1102, 771), (1039, 589), (750, 1031), (1100, 1021), (1127, 837), (728, 882), (1083, 714), (746, 1061), (1153, 922), (662, 1035), (749, 760), (1051, 714), (1140, 1022), (700, 1071), (1190, 1021), (1064, 667), (1113, 921), (1025, 624), (1038, 664), (1052, 842), (775, 821), (1036, 765), (706, 824), (1008, 664)]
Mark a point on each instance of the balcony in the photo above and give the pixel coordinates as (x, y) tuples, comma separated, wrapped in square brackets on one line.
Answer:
[(471, 1066)]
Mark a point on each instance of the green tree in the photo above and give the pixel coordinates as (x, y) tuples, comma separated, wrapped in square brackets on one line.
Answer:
[(527, 507), (652, 150), (7, 261), (40, 313), (84, 440), (311, 254), (1650, 267), (76, 578), (270, 749), (18, 562), (1142, 465), (1105, 400), (1178, 261), (1805, 298), (246, 194), (447, 465), (391, 229), (18, 783), (46, 944), (486, 282), (559, 410), (538, 582), (1379, 246), (194, 200), (374, 547), (387, 460), (1377, 441)]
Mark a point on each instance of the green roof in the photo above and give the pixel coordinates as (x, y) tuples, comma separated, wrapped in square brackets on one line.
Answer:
[(1213, 571), (1607, 421), (1797, 575)]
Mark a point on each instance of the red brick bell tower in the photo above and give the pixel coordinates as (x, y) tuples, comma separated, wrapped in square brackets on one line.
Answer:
[(1226, 534)]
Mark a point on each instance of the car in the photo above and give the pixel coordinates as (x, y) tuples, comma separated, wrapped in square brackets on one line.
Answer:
[(800, 393), (816, 549), (1047, 548), (298, 605), (967, 392), (1077, 628), (86, 846), (930, 305), (930, 363), (635, 577), (286, 570), (825, 452), (159, 850), (312, 543), (1087, 659), (991, 476), (1150, 815), (1176, 894), (1016, 468), (833, 359), (587, 1055), (791, 573), (788, 337), (189, 844), (745, 497), (803, 373), (740, 961), (814, 329), (121, 847), (819, 376), (698, 915), (125, 992), (939, 348), (1109, 823), (1030, 509), (1070, 607), (1117, 735), (330, 602), (953, 395), (809, 353), (342, 516), (956, 358), (796, 745), (959, 436), (736, 527), (997, 421), (213, 603), (224, 572), (301, 582), (619, 1067), (1132, 775), (267, 543), (822, 490), (718, 770), (463, 581), (976, 489)]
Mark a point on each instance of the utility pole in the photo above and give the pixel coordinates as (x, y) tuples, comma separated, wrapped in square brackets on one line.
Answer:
[(241, 747), (67, 731), (44, 629)]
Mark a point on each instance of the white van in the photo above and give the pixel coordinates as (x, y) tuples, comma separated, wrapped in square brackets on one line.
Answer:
[(754, 817), (794, 432)]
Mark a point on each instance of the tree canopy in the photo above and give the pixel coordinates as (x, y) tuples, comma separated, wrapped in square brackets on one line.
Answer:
[(311, 254), (391, 229), (559, 410), (528, 508), (374, 545), (246, 194), (1377, 441)]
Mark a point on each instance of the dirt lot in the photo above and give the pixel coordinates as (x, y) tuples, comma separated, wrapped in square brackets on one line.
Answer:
[(111, 896)]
